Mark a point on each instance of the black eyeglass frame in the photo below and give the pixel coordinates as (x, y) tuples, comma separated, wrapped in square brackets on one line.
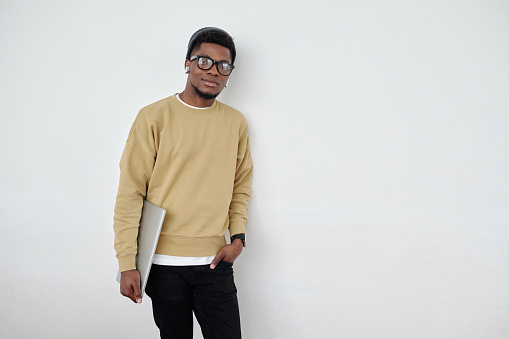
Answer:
[(196, 57)]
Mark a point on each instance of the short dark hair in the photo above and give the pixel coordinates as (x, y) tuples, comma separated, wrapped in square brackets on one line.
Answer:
[(212, 35)]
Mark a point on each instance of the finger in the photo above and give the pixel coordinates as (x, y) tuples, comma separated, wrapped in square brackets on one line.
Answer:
[(131, 295), (127, 291), (217, 259), (137, 292)]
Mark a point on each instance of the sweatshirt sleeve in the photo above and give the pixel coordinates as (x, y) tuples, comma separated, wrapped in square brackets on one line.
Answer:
[(136, 166), (242, 184)]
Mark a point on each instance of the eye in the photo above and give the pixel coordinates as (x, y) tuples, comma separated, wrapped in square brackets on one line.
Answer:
[(225, 66), (204, 61)]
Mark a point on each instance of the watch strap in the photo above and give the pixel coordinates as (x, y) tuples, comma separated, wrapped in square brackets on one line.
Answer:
[(241, 236)]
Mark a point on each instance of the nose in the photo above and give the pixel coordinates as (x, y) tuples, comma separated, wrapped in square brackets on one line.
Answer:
[(213, 70)]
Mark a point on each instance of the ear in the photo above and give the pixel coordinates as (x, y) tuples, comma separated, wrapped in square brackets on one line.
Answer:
[(187, 64)]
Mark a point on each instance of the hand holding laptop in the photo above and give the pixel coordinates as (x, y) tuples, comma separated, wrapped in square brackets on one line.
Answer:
[(130, 283)]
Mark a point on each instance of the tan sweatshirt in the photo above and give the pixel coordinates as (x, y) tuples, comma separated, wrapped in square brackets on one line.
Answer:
[(195, 164)]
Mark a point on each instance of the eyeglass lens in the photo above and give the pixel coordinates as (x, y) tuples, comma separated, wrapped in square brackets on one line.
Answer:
[(223, 67)]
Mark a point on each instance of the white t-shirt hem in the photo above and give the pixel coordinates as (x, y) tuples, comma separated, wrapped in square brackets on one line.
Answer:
[(170, 260)]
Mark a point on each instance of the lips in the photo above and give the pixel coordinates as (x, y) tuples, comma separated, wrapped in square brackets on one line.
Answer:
[(210, 83)]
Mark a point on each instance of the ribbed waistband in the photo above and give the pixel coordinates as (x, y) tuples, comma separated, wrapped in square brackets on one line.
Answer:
[(190, 247)]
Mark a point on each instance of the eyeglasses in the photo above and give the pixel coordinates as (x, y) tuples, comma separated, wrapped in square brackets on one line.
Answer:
[(206, 63)]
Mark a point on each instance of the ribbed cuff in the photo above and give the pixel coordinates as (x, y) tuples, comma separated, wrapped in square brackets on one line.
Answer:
[(237, 227), (127, 263)]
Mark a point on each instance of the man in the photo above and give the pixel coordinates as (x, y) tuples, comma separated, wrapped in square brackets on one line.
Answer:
[(189, 154)]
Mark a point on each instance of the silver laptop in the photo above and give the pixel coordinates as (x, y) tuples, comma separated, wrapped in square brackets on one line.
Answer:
[(151, 222)]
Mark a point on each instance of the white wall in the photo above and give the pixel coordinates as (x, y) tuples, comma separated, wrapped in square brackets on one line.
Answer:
[(379, 135)]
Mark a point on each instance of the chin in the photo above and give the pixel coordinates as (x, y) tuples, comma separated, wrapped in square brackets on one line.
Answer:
[(205, 95)]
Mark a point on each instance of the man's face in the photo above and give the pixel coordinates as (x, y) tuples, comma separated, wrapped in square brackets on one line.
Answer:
[(208, 83)]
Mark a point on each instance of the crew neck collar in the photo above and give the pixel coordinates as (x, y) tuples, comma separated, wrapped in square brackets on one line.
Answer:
[(182, 101), (198, 110)]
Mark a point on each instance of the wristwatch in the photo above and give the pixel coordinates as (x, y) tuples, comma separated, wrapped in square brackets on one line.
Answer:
[(241, 236)]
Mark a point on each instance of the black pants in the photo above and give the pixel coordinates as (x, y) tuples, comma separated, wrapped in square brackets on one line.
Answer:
[(177, 291)]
